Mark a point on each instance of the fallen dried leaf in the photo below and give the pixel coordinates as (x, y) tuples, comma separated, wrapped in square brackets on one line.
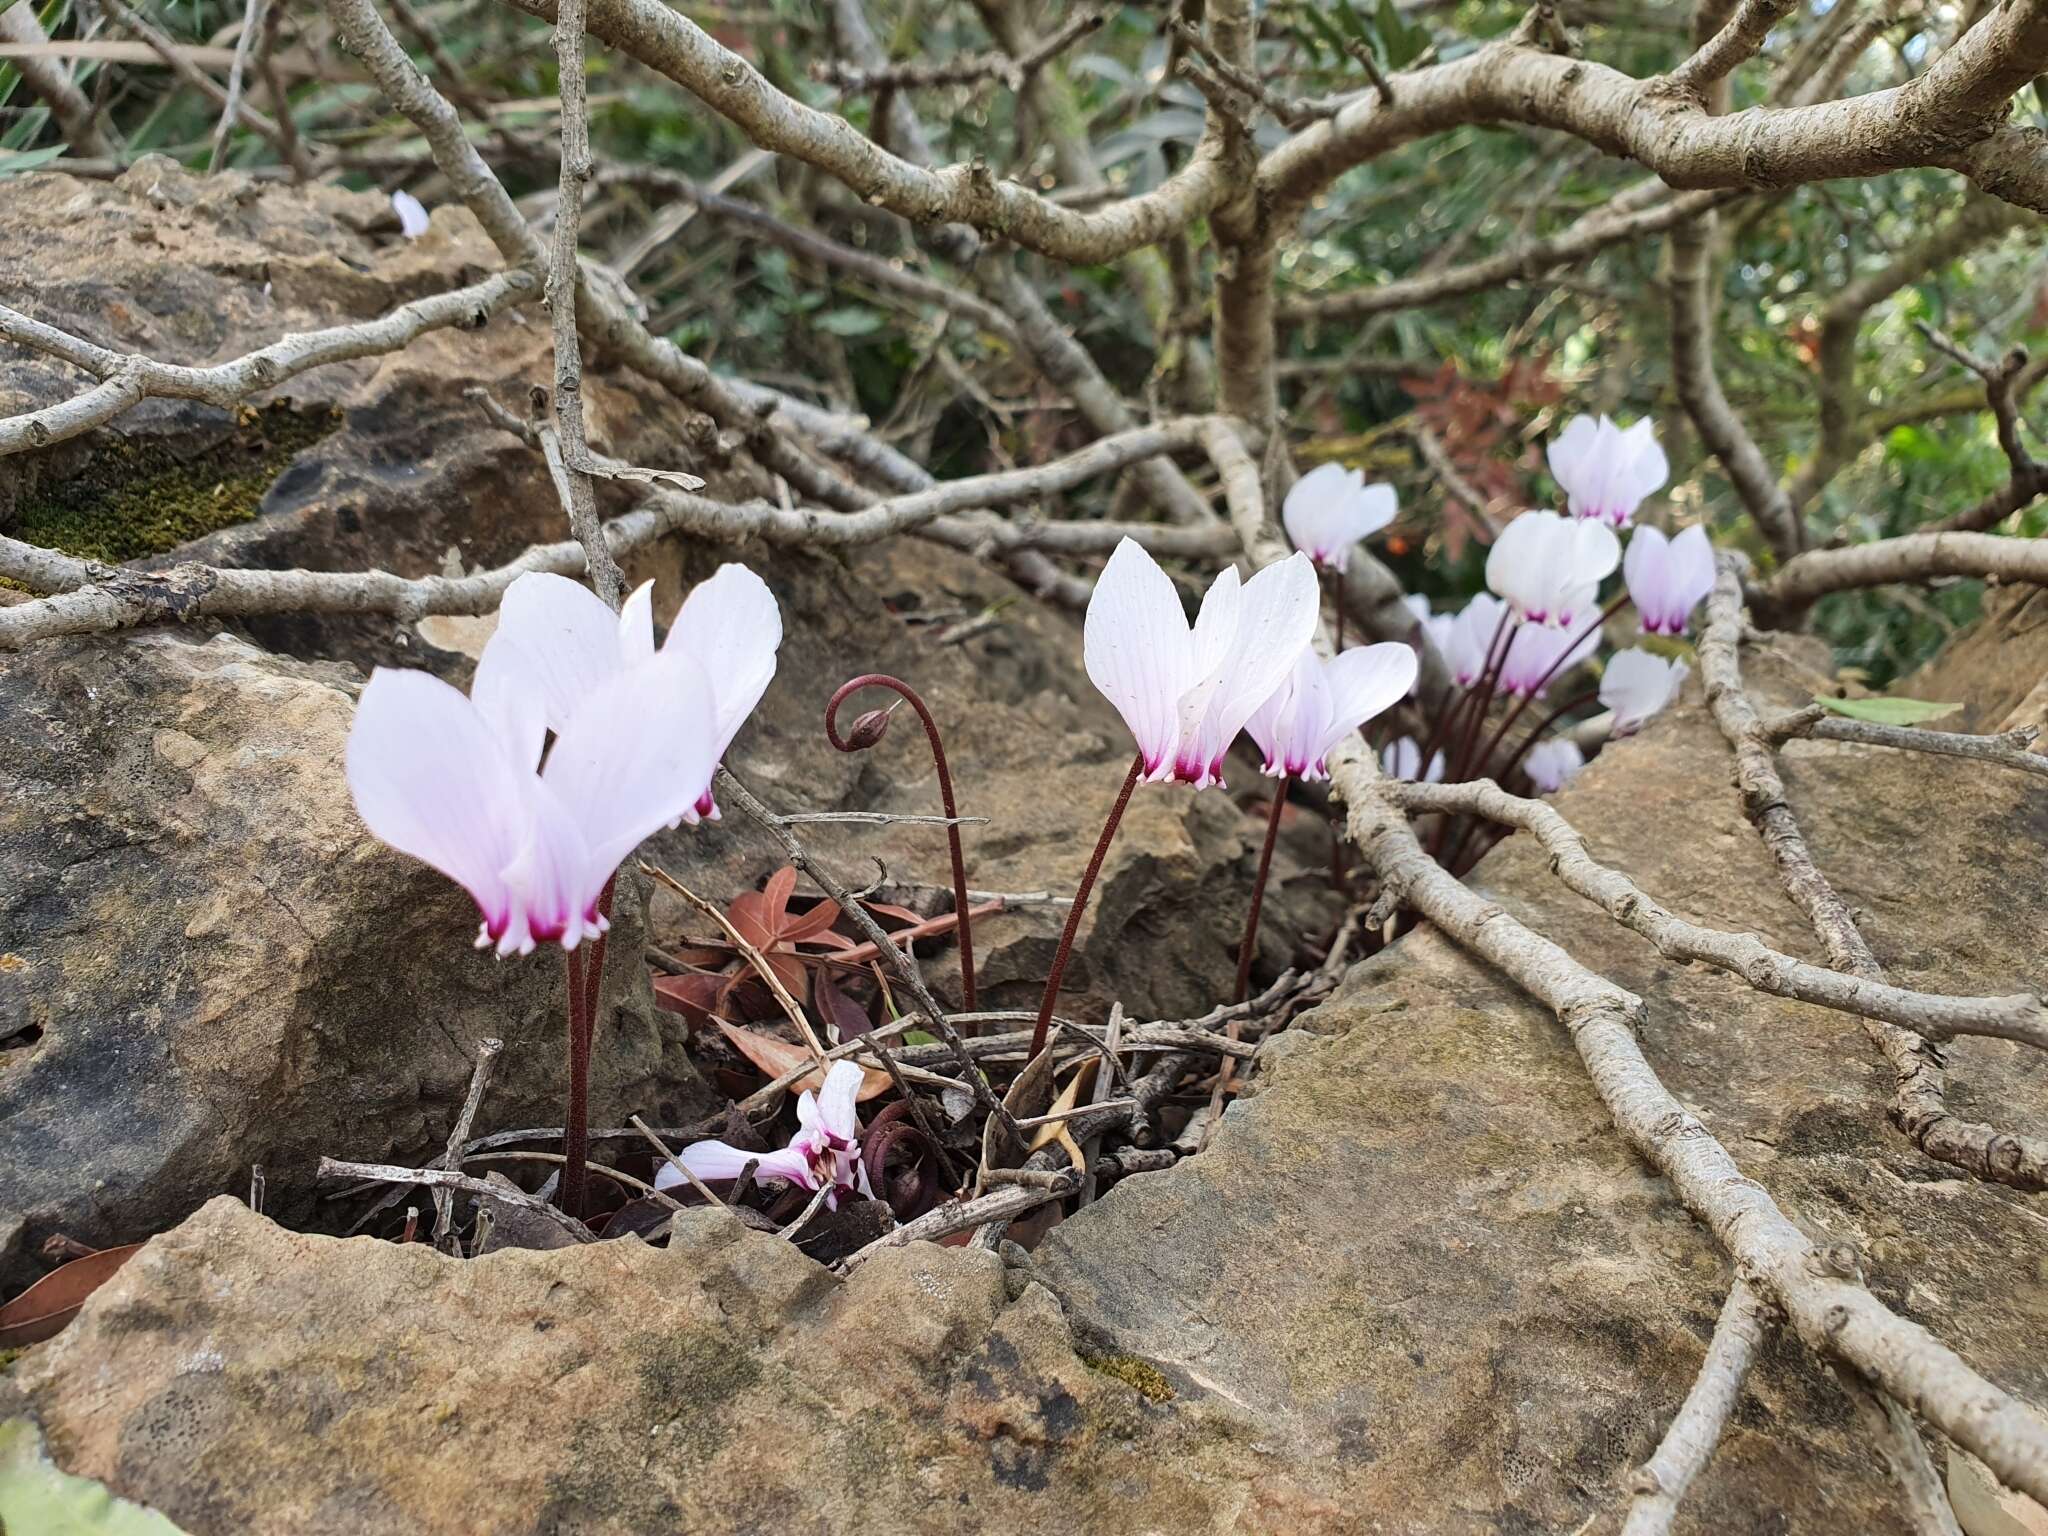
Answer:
[(41, 1311), (775, 1057)]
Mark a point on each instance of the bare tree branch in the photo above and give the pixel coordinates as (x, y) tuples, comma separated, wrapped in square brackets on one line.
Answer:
[(1699, 388), (2008, 750), (52, 83), (572, 479), (1689, 1444), (91, 597), (730, 85), (1913, 557), (127, 379), (1936, 1017), (1525, 260), (1952, 115), (1919, 1105), (1735, 44)]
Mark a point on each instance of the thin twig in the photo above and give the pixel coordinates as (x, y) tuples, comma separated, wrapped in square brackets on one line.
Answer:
[(1688, 1445), (899, 958), (387, 1173), (1919, 1106), (1001, 1205), (675, 1162), (2009, 749), (487, 1052), (252, 25), (748, 951)]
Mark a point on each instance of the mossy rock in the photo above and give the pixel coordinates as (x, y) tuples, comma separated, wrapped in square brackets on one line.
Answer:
[(139, 496)]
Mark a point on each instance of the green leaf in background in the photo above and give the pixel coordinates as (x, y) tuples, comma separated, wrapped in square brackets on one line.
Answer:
[(28, 159), (850, 322), (1888, 711), (37, 1499)]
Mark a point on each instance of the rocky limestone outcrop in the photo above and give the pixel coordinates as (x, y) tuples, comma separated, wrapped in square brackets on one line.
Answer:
[(142, 919), (1416, 1282), (1423, 1251), (206, 963)]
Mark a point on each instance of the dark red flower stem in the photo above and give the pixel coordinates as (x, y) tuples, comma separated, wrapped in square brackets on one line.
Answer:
[(931, 730), (1066, 949), (576, 1126), (1507, 774), (1458, 766), (1445, 728), (1501, 734), (586, 986), (1250, 945), (1580, 701)]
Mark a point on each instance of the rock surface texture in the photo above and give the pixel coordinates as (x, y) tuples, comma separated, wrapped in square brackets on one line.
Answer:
[(205, 963), (1415, 1283)]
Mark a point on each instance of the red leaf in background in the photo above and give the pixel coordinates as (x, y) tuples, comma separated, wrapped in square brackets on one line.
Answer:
[(697, 996), (830, 1002), (41, 1311)]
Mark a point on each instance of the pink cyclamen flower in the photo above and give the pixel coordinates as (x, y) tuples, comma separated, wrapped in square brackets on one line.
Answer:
[(1638, 684), (412, 218), (1549, 567), (1330, 509), (1553, 764), (1401, 758), (556, 641), (1668, 577), (436, 775), (1468, 636), (1538, 655), (1321, 702), (824, 1153), (1186, 692), (1606, 470)]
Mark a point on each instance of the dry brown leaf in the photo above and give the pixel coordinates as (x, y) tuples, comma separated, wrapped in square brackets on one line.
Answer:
[(41, 1311), (775, 1057)]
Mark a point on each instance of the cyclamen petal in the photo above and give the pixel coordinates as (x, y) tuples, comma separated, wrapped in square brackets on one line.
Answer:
[(1185, 692), (1138, 651), (836, 1114), (1276, 620), (720, 1160), (732, 625), (1364, 683), (1330, 509), (1441, 629), (1667, 578), (1537, 656), (1552, 764), (556, 643), (636, 755), (1286, 727), (1549, 568), (1471, 637), (1401, 758), (412, 218), (431, 778), (1214, 641), (1637, 685), (452, 780), (1606, 471)]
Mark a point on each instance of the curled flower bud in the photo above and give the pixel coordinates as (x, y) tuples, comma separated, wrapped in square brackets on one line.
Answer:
[(868, 729)]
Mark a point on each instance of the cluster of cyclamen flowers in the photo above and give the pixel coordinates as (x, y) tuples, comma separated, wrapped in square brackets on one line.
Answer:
[(1542, 618), (535, 829)]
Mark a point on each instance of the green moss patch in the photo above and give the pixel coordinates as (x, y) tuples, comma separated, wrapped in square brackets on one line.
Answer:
[(1141, 1376), (143, 496)]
